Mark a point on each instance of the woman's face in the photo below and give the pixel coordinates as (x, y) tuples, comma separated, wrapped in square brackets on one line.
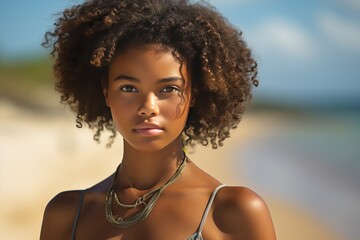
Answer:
[(148, 96)]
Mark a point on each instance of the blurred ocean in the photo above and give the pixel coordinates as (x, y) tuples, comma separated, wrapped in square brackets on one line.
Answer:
[(311, 160)]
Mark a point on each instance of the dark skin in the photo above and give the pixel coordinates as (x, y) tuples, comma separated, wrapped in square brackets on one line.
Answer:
[(145, 86)]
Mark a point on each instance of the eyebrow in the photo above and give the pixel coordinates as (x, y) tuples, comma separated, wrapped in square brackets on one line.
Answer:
[(162, 80)]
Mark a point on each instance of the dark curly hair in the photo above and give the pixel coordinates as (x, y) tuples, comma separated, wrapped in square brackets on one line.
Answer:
[(87, 36)]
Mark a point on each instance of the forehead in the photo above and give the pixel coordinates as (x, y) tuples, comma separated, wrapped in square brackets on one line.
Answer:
[(153, 60)]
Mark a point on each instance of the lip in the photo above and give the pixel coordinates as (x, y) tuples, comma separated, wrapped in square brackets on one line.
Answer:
[(148, 129)]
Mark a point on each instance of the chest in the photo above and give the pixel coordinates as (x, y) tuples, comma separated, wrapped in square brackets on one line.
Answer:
[(173, 217)]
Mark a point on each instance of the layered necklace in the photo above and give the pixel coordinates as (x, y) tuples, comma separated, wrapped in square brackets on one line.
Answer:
[(148, 200)]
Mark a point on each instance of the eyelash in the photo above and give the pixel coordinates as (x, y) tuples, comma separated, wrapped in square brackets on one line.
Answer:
[(133, 89), (173, 88), (127, 87)]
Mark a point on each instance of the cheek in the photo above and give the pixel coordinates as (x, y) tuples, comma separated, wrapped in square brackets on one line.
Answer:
[(121, 109), (118, 102), (174, 109)]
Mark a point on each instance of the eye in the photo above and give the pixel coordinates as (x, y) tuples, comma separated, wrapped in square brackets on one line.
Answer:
[(128, 89), (169, 89)]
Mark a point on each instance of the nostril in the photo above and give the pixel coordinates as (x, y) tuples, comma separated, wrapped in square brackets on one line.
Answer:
[(148, 113)]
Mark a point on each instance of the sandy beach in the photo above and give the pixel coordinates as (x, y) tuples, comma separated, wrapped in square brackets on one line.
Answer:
[(42, 154)]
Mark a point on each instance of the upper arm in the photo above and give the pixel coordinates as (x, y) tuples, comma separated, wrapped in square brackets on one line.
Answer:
[(243, 214), (59, 216)]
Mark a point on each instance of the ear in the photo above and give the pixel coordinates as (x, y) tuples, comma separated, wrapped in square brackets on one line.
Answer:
[(192, 102), (193, 97), (105, 92)]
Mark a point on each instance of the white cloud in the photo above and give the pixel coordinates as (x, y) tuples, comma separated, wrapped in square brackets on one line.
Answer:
[(279, 36), (343, 32)]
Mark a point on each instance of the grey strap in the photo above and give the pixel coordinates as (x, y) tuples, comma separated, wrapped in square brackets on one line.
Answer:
[(208, 207), (73, 232)]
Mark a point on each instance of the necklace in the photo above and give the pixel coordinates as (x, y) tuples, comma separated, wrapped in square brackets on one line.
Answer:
[(153, 196), (139, 200)]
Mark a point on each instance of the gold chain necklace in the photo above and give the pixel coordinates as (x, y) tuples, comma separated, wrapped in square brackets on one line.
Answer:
[(153, 195)]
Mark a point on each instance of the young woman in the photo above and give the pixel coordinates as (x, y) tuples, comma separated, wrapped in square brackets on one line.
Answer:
[(165, 74)]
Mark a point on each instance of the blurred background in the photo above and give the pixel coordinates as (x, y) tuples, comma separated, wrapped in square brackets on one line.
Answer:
[(298, 146)]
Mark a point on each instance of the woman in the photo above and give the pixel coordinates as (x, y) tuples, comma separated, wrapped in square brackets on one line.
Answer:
[(165, 75)]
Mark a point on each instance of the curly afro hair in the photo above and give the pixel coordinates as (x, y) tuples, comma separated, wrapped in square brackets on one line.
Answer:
[(87, 36)]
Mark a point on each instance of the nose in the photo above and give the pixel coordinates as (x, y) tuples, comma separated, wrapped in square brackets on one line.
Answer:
[(149, 107)]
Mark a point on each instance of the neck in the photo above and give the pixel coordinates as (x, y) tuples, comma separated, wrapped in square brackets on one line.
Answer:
[(147, 170)]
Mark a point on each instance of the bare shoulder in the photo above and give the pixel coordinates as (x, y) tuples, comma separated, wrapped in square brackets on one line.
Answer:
[(59, 215), (243, 214)]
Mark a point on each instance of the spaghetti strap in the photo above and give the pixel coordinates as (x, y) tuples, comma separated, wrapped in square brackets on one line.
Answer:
[(73, 232), (208, 207)]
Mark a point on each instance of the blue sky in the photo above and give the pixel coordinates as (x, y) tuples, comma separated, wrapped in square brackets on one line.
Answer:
[(308, 51)]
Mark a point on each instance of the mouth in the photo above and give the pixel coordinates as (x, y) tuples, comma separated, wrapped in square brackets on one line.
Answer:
[(148, 129)]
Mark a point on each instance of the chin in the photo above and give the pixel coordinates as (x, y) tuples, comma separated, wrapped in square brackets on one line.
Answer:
[(152, 146)]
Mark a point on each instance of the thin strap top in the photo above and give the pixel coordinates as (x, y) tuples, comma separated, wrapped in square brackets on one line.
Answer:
[(73, 232), (196, 236)]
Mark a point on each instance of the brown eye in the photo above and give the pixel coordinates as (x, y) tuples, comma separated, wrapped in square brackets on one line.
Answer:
[(169, 89), (128, 89)]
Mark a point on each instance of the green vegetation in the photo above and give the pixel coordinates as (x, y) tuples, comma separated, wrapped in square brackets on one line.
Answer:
[(25, 82), (27, 74)]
